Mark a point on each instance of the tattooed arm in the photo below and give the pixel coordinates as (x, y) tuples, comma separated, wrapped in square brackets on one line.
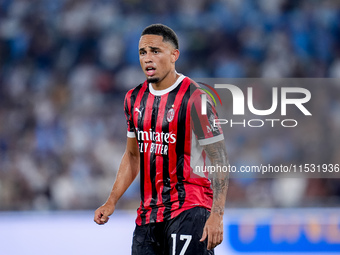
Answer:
[(213, 228)]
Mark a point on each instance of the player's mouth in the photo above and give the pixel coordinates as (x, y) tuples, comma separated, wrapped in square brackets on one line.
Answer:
[(150, 71)]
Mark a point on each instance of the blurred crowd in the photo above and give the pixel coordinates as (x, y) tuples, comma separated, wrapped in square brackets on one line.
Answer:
[(66, 65)]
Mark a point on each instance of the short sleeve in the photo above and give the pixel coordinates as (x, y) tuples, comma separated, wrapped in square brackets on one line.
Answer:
[(203, 124), (128, 115)]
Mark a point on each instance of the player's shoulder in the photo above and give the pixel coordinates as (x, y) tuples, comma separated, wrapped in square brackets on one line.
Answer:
[(195, 88), (192, 85)]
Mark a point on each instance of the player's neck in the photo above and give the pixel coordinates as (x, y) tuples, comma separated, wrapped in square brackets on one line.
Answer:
[(167, 82)]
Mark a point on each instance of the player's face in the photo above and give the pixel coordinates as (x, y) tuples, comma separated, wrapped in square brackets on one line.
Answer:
[(157, 58)]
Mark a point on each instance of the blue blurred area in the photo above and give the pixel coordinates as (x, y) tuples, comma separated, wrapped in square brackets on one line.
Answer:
[(66, 65), (285, 231)]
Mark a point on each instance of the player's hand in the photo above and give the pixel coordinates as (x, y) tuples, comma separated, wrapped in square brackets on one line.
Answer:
[(101, 215), (213, 229)]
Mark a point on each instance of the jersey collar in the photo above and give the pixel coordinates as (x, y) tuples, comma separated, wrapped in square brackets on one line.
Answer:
[(167, 90)]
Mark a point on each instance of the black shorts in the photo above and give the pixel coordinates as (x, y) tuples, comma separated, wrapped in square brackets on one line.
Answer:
[(178, 236)]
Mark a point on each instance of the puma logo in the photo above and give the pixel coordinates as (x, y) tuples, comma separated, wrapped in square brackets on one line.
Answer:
[(140, 112)]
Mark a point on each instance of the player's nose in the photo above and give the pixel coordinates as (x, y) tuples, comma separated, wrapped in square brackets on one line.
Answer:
[(147, 58)]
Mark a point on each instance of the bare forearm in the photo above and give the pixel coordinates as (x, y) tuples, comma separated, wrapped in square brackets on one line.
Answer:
[(218, 157), (220, 188), (128, 170), (213, 229)]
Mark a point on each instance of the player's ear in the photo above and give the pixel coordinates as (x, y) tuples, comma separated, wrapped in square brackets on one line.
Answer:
[(174, 55)]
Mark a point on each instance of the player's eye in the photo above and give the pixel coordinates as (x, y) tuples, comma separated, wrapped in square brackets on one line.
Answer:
[(142, 53)]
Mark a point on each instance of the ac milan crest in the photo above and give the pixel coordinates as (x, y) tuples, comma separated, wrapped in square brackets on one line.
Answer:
[(170, 115)]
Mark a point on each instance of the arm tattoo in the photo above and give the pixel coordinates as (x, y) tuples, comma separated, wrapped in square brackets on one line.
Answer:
[(218, 157)]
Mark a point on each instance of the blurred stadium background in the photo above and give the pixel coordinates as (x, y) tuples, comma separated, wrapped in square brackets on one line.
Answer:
[(66, 65)]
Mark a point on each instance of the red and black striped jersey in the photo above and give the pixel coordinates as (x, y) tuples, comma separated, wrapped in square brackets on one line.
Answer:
[(170, 131)]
